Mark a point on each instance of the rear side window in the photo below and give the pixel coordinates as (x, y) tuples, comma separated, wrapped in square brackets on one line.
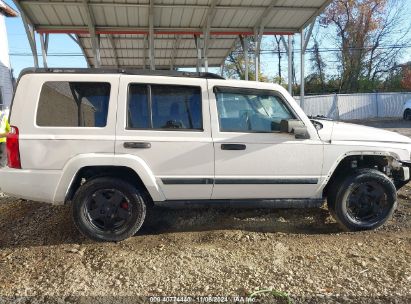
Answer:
[(164, 107), (73, 104)]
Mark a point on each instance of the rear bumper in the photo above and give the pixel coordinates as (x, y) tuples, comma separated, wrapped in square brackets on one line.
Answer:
[(36, 185)]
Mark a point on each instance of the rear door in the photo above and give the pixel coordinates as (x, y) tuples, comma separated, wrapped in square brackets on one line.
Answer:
[(165, 122)]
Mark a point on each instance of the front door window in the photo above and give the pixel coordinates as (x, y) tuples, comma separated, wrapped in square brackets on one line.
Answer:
[(250, 110)]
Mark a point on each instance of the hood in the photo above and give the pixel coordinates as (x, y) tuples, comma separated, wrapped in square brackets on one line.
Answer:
[(340, 131)]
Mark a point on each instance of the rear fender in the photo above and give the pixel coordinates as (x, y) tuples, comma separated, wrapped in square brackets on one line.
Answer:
[(84, 160)]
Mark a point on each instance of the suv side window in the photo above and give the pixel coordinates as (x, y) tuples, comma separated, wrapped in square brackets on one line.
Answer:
[(246, 110), (73, 104), (164, 107)]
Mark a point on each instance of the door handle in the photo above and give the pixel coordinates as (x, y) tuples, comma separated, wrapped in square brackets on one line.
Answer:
[(137, 145), (233, 147)]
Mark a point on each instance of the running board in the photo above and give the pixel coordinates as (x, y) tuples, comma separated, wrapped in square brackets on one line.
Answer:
[(243, 203)]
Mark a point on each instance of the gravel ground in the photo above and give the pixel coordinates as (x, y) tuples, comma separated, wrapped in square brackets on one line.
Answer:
[(208, 252)]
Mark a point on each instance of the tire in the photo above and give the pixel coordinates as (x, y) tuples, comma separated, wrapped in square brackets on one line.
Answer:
[(407, 114), (108, 209), (364, 200)]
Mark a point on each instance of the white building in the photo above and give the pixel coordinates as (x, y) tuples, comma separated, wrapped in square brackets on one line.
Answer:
[(6, 83)]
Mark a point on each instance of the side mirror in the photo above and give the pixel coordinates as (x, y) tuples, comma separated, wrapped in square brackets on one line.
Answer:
[(288, 125), (301, 133), (294, 126)]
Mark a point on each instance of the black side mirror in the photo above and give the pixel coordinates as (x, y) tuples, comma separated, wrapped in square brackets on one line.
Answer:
[(301, 133), (294, 126), (288, 125)]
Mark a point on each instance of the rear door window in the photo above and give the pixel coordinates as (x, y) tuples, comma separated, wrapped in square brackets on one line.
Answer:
[(73, 104), (164, 107)]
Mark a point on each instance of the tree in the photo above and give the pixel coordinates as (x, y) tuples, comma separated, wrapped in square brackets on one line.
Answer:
[(368, 38), (392, 83), (406, 77), (234, 65), (278, 50), (318, 66)]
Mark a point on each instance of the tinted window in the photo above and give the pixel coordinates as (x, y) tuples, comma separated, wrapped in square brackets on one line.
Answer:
[(138, 114), (73, 104), (170, 107), (252, 111)]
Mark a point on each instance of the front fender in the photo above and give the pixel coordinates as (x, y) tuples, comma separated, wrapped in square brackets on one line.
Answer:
[(334, 159)]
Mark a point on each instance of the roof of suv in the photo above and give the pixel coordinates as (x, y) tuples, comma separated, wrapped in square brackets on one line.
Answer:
[(120, 71)]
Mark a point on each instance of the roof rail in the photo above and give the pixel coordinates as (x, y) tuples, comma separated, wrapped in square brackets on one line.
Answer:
[(120, 71)]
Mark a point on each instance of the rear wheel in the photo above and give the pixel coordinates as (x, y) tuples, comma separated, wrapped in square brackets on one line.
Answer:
[(364, 200), (108, 209)]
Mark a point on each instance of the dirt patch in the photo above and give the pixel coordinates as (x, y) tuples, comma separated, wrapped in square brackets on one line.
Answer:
[(205, 252)]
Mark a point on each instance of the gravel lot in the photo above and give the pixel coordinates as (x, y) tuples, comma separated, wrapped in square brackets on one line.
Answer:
[(206, 252)]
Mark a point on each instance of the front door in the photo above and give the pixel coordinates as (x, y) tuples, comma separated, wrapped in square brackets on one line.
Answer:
[(165, 123), (253, 159)]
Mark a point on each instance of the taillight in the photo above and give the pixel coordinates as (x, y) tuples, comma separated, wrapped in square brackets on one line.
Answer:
[(13, 149)]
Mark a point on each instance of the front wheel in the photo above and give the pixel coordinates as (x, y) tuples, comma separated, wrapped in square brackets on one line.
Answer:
[(363, 201), (108, 209)]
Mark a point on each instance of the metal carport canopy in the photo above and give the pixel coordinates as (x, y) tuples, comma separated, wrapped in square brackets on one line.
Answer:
[(163, 33)]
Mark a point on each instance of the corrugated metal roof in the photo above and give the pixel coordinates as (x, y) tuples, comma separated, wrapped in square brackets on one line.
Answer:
[(131, 50), (124, 24)]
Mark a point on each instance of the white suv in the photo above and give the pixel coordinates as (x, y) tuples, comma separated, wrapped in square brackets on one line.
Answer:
[(114, 143)]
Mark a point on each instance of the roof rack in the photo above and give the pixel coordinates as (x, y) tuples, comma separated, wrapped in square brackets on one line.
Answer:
[(120, 71)]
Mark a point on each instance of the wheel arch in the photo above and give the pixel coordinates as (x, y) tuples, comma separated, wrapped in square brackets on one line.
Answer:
[(126, 167), (352, 161)]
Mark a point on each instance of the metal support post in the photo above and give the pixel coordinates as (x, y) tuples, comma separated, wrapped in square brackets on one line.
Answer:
[(257, 37), (151, 37), (198, 46), (174, 52), (302, 72), (145, 49), (290, 65), (29, 29), (44, 41), (31, 36), (244, 45), (112, 43), (205, 50), (77, 40), (95, 40), (206, 31), (304, 43)]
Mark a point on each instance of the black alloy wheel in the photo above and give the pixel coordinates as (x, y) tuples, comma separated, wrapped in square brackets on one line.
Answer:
[(108, 209), (363, 199), (367, 203)]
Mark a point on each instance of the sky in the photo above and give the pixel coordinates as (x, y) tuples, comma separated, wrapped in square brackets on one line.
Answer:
[(60, 44)]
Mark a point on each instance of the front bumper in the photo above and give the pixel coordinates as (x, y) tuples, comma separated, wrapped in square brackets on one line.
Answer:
[(402, 175)]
